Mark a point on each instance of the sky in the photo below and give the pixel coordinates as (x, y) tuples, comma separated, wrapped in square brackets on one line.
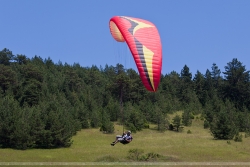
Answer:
[(196, 33)]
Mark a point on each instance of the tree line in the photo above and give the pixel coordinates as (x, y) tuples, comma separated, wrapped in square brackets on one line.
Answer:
[(43, 104)]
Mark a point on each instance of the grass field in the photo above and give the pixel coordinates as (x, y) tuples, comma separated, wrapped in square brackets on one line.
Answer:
[(91, 145)]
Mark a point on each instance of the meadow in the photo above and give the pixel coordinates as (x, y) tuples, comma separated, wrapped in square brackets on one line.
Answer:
[(91, 145)]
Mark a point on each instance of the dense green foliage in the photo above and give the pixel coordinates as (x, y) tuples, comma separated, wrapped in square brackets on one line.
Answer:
[(43, 104)]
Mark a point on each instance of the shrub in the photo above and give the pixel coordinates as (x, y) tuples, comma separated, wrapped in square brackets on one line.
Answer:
[(247, 134), (206, 124), (187, 118), (222, 127), (150, 157), (177, 122), (108, 127), (238, 137), (146, 126), (191, 116), (181, 128), (135, 154), (171, 127), (131, 127)]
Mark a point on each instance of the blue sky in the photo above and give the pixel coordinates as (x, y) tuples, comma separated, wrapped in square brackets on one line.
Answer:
[(197, 33)]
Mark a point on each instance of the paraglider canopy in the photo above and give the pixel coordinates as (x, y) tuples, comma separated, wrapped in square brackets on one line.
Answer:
[(144, 42)]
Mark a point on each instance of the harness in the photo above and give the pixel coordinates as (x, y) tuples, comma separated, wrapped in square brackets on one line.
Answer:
[(124, 141)]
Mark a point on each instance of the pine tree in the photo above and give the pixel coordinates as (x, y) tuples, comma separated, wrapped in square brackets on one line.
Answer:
[(199, 84), (223, 124), (176, 122), (186, 87), (8, 78), (237, 85), (106, 125), (6, 56), (186, 118)]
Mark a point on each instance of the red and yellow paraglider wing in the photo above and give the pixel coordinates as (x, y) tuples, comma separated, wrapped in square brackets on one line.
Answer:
[(144, 43)]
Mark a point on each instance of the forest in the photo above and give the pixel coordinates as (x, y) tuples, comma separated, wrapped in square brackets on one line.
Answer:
[(43, 104)]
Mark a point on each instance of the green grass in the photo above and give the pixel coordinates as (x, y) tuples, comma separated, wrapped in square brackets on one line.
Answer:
[(91, 145)]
